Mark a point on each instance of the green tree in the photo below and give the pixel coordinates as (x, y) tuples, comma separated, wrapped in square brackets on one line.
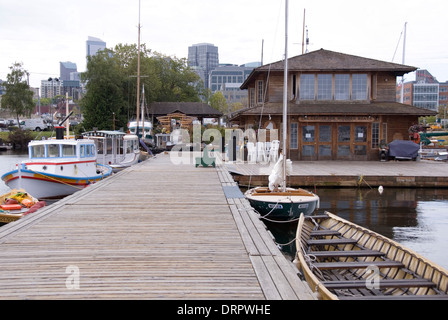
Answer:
[(104, 92), (18, 98), (219, 102), (112, 84)]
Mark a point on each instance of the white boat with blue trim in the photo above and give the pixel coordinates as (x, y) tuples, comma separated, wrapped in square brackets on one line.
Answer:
[(57, 168)]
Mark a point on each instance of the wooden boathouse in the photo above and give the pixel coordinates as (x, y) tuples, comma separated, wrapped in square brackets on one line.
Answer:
[(157, 230), (341, 107)]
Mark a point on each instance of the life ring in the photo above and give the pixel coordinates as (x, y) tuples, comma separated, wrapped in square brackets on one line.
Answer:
[(416, 138)]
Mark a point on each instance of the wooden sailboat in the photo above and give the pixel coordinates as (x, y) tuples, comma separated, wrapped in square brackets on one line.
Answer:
[(341, 260), (284, 203)]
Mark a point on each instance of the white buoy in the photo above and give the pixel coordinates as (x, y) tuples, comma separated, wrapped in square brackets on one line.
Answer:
[(381, 189)]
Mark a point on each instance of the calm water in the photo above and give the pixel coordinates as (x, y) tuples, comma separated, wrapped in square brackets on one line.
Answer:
[(416, 218), (8, 160)]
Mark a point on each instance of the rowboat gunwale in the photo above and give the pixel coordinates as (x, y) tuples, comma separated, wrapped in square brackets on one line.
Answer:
[(425, 268)]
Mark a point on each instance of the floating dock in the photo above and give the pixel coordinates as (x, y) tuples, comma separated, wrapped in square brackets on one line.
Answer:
[(353, 174), (157, 230)]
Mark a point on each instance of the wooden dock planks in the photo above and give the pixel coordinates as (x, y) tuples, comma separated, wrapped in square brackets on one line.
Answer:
[(154, 231)]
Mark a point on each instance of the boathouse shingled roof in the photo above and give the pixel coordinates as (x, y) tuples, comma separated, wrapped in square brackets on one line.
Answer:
[(333, 109), (196, 109), (324, 60)]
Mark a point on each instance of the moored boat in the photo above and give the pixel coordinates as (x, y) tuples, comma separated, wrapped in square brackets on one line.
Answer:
[(341, 260), (16, 204), (277, 201), (288, 204), (57, 168), (115, 149)]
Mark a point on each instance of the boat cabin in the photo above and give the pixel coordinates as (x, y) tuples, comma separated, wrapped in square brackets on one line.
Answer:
[(340, 107), (62, 149), (113, 146)]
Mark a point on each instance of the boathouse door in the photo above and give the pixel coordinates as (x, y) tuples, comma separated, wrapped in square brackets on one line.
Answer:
[(351, 141)]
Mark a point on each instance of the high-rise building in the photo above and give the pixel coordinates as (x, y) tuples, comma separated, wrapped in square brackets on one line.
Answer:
[(203, 58), (94, 45), (229, 78), (66, 68), (423, 92)]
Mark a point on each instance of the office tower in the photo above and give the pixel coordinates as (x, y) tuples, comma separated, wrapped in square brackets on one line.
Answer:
[(94, 45), (65, 69), (203, 58)]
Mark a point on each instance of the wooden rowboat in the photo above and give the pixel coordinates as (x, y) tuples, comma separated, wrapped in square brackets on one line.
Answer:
[(341, 260)]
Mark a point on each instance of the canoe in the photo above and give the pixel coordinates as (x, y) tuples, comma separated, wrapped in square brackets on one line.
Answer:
[(341, 260)]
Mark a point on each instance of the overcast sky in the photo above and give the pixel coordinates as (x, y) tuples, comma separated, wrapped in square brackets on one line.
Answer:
[(42, 33)]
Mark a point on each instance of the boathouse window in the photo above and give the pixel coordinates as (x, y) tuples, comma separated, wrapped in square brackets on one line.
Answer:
[(294, 135), (38, 152), (53, 151), (307, 87), (324, 87), (342, 87), (359, 87), (375, 135), (68, 151), (252, 97), (260, 98)]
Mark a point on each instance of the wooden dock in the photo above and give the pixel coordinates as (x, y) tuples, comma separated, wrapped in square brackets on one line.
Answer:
[(353, 174), (154, 231)]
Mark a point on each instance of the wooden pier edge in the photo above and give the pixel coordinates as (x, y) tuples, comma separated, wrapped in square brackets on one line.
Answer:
[(142, 251), (278, 277)]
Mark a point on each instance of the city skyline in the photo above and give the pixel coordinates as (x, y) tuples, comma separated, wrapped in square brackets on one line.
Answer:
[(369, 30)]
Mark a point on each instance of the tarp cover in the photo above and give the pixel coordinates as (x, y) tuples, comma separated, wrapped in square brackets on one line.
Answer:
[(403, 149)]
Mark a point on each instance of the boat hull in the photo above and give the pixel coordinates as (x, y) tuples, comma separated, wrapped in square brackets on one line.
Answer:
[(44, 185), (341, 260), (283, 206)]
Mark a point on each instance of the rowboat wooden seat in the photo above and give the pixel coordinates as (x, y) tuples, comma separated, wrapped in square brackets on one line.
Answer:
[(323, 233), (361, 284), (357, 265), (346, 254), (333, 242), (317, 217)]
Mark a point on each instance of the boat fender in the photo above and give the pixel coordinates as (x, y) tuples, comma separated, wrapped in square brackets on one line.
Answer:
[(11, 207)]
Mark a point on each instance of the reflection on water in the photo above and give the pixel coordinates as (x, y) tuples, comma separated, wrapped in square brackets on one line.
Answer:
[(416, 218)]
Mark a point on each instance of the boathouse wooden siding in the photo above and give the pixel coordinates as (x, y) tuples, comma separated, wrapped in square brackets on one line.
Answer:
[(379, 115), (154, 231)]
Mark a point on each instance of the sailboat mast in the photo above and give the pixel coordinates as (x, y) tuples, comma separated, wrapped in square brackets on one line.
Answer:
[(285, 98), (404, 58), (138, 70)]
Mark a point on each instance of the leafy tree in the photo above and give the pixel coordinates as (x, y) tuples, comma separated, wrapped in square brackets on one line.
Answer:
[(104, 92), (219, 102), (112, 84), (18, 98)]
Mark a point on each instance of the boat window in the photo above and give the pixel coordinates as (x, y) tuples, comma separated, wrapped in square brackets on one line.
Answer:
[(37, 152), (68, 151), (92, 150), (53, 151), (100, 143)]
